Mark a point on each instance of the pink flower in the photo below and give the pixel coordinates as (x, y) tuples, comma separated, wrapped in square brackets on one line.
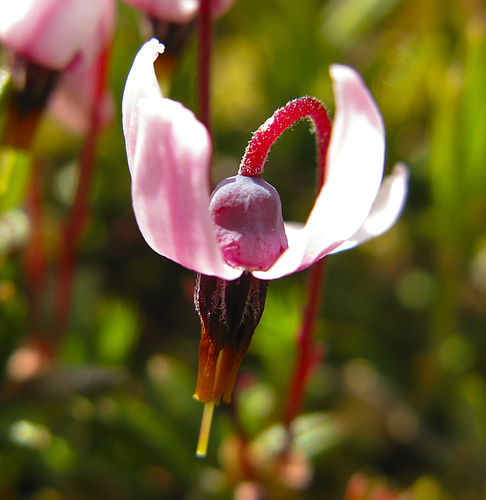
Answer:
[(169, 153), (75, 94), (177, 11), (51, 32), (73, 99)]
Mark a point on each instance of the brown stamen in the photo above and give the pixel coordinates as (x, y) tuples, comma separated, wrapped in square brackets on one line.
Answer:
[(229, 312)]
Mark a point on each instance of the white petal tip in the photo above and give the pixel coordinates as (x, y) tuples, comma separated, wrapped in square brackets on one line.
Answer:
[(401, 170), (342, 72), (155, 47)]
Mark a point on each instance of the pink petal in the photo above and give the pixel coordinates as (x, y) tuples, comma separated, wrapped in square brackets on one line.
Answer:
[(141, 83), (355, 163), (222, 6), (386, 209), (102, 34), (49, 32), (73, 99), (169, 160), (175, 11)]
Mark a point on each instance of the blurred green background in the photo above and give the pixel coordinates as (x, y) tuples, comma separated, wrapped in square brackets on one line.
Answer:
[(401, 395)]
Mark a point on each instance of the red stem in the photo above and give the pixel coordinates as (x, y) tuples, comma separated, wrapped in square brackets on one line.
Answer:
[(309, 355), (35, 261), (257, 150), (205, 45), (252, 163), (78, 216)]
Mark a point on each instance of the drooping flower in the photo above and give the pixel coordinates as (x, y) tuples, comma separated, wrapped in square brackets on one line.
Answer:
[(50, 33), (236, 239), (169, 153), (75, 95), (54, 45)]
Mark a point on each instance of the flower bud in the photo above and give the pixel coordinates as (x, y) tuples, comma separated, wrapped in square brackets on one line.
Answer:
[(247, 213)]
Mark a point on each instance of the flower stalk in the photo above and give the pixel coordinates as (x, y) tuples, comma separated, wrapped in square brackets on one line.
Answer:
[(35, 258), (309, 355), (205, 45), (32, 86), (78, 216), (257, 150)]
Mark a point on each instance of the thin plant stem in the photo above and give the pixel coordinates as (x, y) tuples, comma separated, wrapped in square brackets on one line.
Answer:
[(31, 87), (78, 216), (309, 355), (205, 42), (35, 260), (252, 163), (205, 45), (256, 153)]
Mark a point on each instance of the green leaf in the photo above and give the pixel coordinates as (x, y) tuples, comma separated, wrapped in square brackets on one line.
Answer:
[(473, 126), (15, 168), (162, 437), (119, 330), (5, 86), (444, 169), (345, 20)]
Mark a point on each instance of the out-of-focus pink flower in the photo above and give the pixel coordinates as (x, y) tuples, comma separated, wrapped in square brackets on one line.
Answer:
[(101, 35), (75, 93), (177, 11), (51, 32), (74, 97), (169, 153)]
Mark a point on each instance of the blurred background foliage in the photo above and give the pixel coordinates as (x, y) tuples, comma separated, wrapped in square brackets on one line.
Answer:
[(397, 410)]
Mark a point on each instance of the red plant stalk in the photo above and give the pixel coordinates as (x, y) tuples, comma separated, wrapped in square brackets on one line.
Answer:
[(31, 87), (205, 45), (35, 260), (252, 164), (257, 150), (78, 216), (308, 353)]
